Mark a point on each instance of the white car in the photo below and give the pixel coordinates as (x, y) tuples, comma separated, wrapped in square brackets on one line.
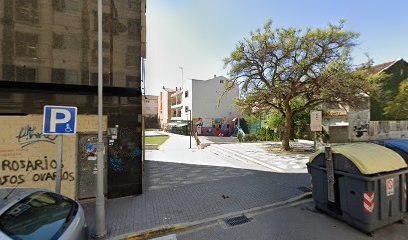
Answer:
[(40, 214)]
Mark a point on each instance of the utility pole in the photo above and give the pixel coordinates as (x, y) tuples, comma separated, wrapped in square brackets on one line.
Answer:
[(191, 127), (100, 198), (182, 77)]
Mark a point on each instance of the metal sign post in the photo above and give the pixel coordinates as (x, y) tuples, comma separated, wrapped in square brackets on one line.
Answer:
[(59, 120), (59, 165), (315, 124), (330, 174)]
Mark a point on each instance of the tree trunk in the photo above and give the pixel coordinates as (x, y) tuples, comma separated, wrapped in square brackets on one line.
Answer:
[(287, 131)]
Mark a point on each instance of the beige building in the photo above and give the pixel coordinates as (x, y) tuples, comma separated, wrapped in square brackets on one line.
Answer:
[(164, 109), (150, 105), (150, 108)]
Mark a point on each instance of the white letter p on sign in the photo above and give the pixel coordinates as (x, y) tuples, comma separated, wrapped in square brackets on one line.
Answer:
[(54, 121)]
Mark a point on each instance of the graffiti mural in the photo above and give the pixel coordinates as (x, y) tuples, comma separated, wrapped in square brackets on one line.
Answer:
[(359, 131), (40, 170), (29, 135)]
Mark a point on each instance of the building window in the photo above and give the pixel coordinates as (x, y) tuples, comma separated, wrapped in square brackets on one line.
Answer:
[(133, 27), (58, 5), (105, 79), (132, 82), (186, 94), (58, 41), (61, 41), (22, 74), (26, 44), (25, 74), (68, 6), (9, 72), (131, 56), (58, 75), (186, 109), (27, 11), (221, 81)]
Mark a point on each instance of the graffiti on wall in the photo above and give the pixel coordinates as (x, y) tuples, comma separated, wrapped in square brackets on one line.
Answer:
[(40, 170), (361, 130), (198, 121), (116, 160), (29, 135), (116, 164)]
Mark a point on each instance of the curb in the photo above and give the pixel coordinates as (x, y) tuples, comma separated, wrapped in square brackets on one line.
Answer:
[(167, 229)]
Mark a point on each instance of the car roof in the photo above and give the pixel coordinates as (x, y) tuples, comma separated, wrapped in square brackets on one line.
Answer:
[(9, 196)]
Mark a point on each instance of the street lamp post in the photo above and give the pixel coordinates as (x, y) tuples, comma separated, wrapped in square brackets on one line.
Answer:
[(182, 76), (191, 126), (100, 198)]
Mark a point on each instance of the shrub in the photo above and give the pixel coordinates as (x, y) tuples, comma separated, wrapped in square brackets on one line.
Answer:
[(266, 134), (251, 138)]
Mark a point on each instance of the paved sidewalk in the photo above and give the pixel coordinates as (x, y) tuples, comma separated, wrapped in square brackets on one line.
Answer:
[(301, 222), (258, 153), (176, 149), (175, 197), (184, 185)]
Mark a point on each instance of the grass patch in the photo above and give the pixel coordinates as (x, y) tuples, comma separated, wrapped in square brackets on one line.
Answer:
[(159, 140)]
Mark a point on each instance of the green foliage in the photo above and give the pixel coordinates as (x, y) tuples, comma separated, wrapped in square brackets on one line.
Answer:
[(252, 118), (251, 137), (267, 134), (240, 137), (244, 125), (290, 71), (264, 134), (397, 108)]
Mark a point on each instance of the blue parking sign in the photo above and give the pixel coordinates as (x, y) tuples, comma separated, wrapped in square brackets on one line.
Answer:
[(59, 120)]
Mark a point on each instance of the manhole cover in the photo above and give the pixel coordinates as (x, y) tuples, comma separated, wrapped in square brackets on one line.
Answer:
[(234, 221), (304, 189)]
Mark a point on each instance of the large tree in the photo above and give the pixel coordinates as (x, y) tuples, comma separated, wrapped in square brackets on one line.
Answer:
[(290, 70)]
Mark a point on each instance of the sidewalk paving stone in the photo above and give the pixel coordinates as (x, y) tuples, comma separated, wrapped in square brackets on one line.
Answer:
[(185, 199)]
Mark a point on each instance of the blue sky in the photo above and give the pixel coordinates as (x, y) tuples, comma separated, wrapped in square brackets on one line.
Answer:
[(198, 34)]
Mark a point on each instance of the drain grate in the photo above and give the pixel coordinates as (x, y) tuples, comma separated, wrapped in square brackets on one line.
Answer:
[(237, 220), (304, 189)]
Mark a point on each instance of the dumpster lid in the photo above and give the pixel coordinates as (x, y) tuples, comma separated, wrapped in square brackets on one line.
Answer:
[(401, 144), (369, 158)]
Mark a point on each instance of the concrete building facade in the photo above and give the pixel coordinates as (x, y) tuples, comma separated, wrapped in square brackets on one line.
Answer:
[(49, 57), (150, 108)]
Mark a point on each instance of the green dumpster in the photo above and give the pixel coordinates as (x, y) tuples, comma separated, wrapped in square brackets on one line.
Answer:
[(360, 183)]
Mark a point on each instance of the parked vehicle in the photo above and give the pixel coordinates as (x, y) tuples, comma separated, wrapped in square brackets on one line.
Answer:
[(40, 214)]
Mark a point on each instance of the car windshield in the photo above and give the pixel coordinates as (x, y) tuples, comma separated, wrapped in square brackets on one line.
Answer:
[(41, 215)]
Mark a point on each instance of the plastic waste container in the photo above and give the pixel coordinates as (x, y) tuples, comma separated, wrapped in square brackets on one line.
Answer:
[(360, 183), (398, 145), (401, 147)]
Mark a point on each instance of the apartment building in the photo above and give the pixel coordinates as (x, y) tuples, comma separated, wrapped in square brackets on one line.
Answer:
[(49, 57), (212, 111)]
